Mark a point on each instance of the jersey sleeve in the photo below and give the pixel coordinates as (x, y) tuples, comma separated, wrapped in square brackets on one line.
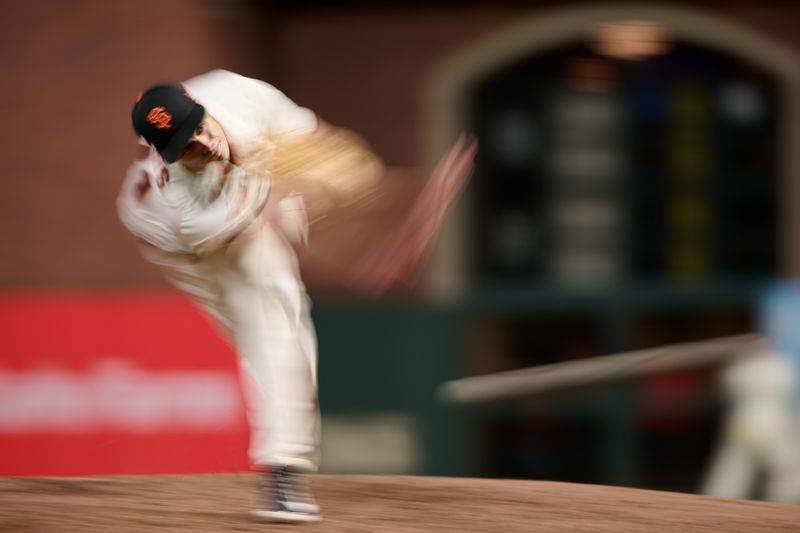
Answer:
[(208, 224), (248, 107), (285, 116)]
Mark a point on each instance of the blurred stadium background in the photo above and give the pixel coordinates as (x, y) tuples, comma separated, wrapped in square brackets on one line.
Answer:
[(636, 186)]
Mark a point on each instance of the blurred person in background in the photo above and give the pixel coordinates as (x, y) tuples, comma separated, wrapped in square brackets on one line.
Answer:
[(760, 440), (235, 176)]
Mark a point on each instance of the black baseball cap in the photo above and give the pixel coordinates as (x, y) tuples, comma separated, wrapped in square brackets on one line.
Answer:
[(166, 117)]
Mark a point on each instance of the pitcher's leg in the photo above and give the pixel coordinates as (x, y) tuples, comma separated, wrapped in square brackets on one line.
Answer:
[(308, 343), (283, 406), (284, 414)]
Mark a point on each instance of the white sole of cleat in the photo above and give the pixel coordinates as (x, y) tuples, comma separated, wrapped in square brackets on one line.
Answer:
[(285, 517)]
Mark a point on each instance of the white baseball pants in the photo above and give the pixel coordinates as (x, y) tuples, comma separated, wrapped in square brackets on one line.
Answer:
[(268, 312)]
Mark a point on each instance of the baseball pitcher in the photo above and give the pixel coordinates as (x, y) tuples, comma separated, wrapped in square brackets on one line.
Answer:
[(235, 175)]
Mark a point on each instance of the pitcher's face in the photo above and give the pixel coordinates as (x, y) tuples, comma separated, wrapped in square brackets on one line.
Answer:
[(207, 144)]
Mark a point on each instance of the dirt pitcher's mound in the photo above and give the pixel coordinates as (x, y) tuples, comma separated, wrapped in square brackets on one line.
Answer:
[(374, 504)]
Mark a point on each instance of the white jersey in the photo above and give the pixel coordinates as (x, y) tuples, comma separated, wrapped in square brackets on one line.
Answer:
[(179, 211), (248, 109), (185, 220)]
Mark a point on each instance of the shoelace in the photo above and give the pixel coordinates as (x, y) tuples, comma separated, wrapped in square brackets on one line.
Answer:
[(290, 487)]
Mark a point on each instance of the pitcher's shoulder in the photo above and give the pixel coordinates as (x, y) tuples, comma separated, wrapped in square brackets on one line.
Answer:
[(225, 79)]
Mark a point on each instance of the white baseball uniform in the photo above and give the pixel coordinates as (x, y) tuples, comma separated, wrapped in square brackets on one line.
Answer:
[(207, 233), (760, 433)]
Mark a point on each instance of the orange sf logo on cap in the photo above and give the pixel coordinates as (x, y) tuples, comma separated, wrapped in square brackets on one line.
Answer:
[(160, 118)]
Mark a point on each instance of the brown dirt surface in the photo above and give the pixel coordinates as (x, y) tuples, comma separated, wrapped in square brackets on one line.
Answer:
[(388, 504)]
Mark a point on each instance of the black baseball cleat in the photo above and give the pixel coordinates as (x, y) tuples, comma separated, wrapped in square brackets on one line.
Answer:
[(285, 497)]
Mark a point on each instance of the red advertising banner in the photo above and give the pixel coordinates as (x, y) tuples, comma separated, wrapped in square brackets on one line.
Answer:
[(116, 383)]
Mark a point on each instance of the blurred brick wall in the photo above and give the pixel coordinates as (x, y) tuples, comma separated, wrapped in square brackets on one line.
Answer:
[(71, 70)]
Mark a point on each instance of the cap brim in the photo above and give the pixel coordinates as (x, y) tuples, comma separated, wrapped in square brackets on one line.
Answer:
[(180, 139)]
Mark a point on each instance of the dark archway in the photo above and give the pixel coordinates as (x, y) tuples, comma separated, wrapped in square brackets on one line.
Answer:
[(540, 35)]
